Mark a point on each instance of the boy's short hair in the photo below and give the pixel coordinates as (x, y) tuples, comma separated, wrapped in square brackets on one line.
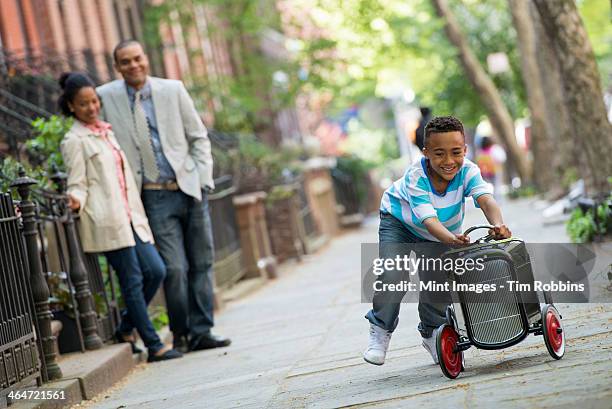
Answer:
[(442, 124)]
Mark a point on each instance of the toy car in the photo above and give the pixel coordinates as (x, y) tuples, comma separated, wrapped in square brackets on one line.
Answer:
[(496, 319)]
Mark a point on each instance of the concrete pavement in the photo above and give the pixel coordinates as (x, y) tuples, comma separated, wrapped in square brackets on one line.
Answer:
[(297, 342)]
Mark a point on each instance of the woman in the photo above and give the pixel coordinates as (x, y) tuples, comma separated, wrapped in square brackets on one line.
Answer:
[(102, 189)]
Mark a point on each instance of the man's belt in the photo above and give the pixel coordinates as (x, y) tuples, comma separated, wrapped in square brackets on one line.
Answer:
[(161, 186)]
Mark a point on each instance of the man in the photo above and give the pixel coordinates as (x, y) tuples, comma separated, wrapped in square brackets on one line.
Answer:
[(166, 145)]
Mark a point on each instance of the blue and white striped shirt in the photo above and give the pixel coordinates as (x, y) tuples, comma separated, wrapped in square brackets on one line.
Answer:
[(412, 199)]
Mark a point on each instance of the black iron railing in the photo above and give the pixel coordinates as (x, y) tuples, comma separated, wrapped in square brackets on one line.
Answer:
[(55, 253), (29, 86), (19, 353), (347, 195), (229, 267)]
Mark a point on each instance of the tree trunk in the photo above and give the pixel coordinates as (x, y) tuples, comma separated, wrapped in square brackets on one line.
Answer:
[(498, 113), (557, 115), (582, 90), (541, 145)]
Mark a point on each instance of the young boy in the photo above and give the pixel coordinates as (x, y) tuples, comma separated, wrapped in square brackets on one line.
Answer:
[(427, 205)]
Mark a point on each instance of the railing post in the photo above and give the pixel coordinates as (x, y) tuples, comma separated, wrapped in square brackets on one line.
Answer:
[(40, 290), (78, 274)]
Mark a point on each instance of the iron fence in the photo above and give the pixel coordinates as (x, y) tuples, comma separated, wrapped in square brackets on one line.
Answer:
[(19, 352), (55, 256), (347, 194), (229, 266), (29, 86)]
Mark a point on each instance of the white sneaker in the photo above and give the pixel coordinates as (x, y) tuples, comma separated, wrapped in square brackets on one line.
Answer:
[(377, 346), (430, 345)]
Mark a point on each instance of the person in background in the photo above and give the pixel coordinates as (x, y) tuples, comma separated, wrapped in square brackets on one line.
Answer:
[(420, 131), (490, 159), (101, 188), (167, 145)]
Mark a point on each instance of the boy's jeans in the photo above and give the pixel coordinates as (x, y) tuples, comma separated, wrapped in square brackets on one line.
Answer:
[(141, 271), (386, 305)]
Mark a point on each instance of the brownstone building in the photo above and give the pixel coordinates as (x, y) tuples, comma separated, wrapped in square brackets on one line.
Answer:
[(40, 39)]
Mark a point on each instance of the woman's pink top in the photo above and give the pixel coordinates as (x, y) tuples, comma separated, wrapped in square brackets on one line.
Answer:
[(101, 128)]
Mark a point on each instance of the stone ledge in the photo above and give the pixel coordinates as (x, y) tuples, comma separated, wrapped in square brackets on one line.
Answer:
[(86, 375)]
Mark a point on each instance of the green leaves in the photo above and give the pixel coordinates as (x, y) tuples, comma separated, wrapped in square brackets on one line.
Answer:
[(242, 95), (44, 148), (583, 226)]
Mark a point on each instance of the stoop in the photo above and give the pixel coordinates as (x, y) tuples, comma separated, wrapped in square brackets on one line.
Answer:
[(85, 376)]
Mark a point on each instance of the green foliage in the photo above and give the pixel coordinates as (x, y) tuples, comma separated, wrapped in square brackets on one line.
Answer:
[(264, 164), (43, 151), (278, 192), (570, 176), (596, 17), (582, 227), (159, 317), (372, 146), (44, 148), (60, 299), (523, 191), (369, 38), (242, 99), (9, 171)]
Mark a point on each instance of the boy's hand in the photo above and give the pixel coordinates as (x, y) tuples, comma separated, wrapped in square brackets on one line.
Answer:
[(500, 231), (461, 239)]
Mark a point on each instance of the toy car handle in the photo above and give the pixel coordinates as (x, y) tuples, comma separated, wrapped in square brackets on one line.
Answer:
[(480, 226)]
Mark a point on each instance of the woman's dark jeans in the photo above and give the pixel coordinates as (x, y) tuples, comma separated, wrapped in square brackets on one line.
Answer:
[(141, 271), (386, 305)]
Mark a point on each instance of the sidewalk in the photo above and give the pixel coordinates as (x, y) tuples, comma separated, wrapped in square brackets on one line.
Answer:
[(297, 342)]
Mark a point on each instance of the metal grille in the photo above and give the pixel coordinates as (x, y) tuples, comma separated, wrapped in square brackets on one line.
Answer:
[(19, 359), (494, 316)]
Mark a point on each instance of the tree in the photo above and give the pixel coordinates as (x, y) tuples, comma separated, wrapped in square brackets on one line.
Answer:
[(582, 90), (363, 48), (543, 174), (566, 161), (498, 114)]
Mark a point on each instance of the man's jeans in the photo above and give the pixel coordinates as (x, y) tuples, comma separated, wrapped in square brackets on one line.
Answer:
[(141, 271), (392, 238), (183, 234)]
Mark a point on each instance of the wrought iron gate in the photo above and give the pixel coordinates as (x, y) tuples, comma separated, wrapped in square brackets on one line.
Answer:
[(19, 358)]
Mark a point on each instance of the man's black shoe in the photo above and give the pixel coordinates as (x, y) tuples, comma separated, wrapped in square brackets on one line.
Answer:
[(119, 338), (181, 343), (209, 341), (171, 354)]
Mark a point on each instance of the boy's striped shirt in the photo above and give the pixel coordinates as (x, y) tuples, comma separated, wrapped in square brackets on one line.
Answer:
[(412, 199)]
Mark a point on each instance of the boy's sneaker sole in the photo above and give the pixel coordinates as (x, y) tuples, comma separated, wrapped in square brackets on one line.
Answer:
[(373, 363)]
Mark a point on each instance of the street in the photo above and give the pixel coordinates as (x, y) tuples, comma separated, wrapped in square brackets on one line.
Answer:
[(297, 342)]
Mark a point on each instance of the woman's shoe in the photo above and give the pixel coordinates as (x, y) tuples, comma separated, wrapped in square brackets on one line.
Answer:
[(170, 354), (119, 338)]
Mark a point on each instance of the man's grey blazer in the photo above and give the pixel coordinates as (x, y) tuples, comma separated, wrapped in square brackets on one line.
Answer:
[(182, 134)]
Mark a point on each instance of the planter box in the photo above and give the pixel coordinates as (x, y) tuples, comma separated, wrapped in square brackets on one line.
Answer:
[(285, 227), (254, 239)]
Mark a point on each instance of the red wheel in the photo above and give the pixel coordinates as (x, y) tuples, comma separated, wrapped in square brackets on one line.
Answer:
[(451, 362), (554, 336)]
